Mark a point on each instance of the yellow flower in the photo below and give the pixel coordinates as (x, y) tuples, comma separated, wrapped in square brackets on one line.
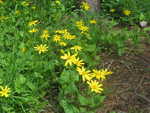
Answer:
[(95, 86), (65, 34), (76, 48), (84, 29), (79, 23), (101, 74), (84, 73), (45, 34), (69, 59), (57, 38), (33, 30), (62, 43), (41, 48), (4, 91), (93, 21), (61, 31), (127, 12), (31, 23), (68, 36), (81, 26), (112, 10), (78, 62), (85, 6)]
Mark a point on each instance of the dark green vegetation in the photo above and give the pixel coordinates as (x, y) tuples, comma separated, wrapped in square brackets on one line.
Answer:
[(37, 35)]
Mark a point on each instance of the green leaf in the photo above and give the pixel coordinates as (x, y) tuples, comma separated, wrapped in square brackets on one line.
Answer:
[(75, 109), (83, 110), (68, 76), (68, 108), (113, 112), (19, 83), (31, 85), (64, 77), (74, 76), (20, 80), (120, 51), (83, 100), (147, 29), (70, 88), (91, 47), (97, 100)]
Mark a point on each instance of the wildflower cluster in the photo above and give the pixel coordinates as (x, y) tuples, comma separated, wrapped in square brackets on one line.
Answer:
[(62, 36), (38, 32), (45, 35), (72, 59), (41, 48), (93, 78), (83, 28), (32, 25), (49, 45)]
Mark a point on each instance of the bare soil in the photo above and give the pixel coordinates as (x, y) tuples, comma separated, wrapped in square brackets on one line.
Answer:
[(129, 86)]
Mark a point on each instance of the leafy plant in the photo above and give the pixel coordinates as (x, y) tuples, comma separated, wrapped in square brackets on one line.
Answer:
[(48, 52), (126, 11)]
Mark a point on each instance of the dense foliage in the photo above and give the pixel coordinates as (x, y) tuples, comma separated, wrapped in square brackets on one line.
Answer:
[(127, 11), (47, 47)]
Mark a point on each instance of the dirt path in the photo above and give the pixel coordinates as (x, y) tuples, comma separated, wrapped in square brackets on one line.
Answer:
[(130, 84)]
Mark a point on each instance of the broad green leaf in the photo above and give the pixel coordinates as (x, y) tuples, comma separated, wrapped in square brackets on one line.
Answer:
[(31, 85), (67, 107), (83, 110), (20, 80), (91, 48), (68, 77), (99, 99), (96, 100), (83, 100), (70, 88), (147, 29), (64, 77)]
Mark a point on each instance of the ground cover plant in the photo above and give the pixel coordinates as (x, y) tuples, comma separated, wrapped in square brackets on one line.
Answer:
[(127, 11), (47, 47)]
